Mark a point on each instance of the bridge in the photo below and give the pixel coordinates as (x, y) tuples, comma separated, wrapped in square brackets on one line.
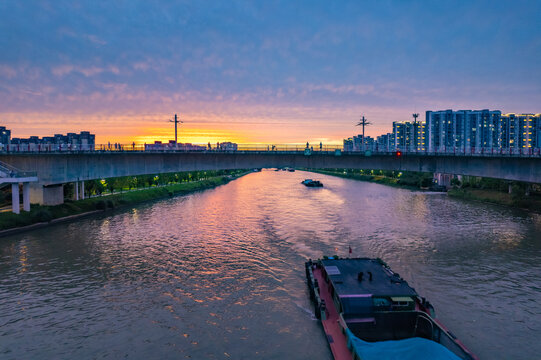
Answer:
[(15, 177), (53, 170)]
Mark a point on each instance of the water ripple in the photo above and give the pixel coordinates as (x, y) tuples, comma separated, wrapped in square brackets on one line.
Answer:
[(219, 274)]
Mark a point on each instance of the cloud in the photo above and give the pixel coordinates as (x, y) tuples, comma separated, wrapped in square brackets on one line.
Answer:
[(7, 71), (63, 70), (95, 40)]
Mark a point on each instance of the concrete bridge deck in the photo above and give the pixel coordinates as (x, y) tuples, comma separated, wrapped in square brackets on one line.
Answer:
[(54, 169)]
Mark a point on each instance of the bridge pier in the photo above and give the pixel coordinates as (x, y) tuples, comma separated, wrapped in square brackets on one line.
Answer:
[(26, 196), (15, 204), (15, 197), (47, 194), (443, 179), (82, 190), (76, 195)]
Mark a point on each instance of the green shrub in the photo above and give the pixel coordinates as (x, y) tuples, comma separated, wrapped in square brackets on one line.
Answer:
[(100, 205), (42, 215)]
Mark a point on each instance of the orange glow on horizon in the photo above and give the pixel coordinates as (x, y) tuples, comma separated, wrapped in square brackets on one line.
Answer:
[(188, 135), (197, 128)]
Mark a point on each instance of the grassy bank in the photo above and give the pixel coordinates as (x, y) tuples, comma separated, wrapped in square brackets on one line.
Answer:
[(532, 203), (410, 180), (44, 214), (473, 188)]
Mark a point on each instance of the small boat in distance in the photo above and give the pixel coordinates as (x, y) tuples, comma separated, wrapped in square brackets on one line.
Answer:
[(369, 312), (312, 183)]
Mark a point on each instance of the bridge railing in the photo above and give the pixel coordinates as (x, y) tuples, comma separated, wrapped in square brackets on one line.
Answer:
[(263, 148), (8, 171)]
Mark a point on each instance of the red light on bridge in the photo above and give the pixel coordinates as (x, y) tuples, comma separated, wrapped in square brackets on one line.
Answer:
[(399, 153)]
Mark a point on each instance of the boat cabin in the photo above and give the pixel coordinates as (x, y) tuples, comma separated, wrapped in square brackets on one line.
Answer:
[(375, 303)]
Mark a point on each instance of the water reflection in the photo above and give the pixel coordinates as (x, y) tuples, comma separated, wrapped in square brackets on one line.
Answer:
[(220, 273)]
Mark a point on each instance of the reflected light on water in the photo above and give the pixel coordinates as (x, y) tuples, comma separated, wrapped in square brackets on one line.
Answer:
[(222, 271)]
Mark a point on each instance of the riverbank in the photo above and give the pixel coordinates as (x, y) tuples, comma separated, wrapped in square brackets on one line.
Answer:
[(419, 181), (530, 203), (40, 216), (412, 181)]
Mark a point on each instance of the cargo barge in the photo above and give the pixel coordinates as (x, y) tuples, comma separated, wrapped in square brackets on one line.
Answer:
[(369, 312)]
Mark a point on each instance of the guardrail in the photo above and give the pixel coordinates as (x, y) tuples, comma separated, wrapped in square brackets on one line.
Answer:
[(261, 148), (8, 171)]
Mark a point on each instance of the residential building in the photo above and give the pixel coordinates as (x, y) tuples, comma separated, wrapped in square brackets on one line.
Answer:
[(520, 131), (356, 143), (385, 143), (85, 141), (463, 130)]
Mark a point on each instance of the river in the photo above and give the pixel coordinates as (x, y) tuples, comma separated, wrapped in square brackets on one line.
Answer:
[(220, 274)]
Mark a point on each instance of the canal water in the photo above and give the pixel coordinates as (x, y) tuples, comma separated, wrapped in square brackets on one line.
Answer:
[(220, 274)]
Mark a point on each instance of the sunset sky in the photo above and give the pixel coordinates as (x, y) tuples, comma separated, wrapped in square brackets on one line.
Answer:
[(259, 71)]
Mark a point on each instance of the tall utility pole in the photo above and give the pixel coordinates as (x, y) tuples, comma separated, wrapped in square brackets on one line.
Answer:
[(176, 121), (364, 123), (415, 128)]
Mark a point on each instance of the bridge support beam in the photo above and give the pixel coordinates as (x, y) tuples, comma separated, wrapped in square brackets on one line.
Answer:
[(15, 204), (26, 196), (76, 195), (82, 190)]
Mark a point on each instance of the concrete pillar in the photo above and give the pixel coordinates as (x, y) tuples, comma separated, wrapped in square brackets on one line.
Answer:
[(82, 190), (53, 194), (510, 188), (528, 189), (36, 193), (16, 206), (26, 196), (46, 195), (76, 184)]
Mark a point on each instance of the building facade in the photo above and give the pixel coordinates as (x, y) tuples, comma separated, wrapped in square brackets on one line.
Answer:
[(469, 131), (356, 143), (84, 141), (5, 137), (409, 136), (460, 132)]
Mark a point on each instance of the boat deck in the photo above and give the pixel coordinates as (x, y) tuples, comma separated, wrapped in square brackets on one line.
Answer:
[(333, 331)]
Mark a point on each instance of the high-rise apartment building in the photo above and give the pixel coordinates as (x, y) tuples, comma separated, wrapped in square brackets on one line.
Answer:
[(463, 130), (5, 136), (520, 131), (356, 143), (409, 136), (71, 141), (385, 143)]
